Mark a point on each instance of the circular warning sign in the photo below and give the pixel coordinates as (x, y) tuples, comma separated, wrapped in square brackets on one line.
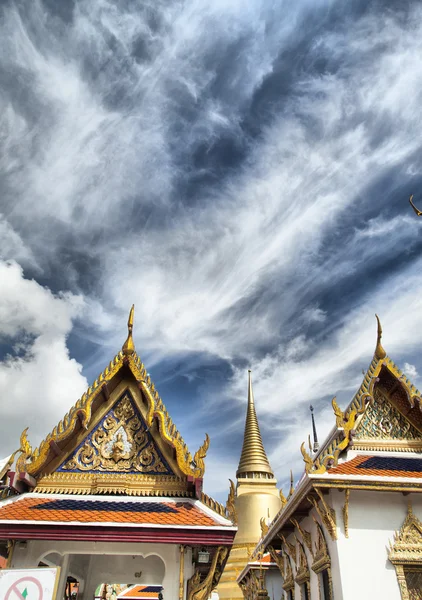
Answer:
[(26, 588)]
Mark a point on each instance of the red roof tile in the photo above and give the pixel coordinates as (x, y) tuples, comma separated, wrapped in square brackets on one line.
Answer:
[(103, 511), (380, 466)]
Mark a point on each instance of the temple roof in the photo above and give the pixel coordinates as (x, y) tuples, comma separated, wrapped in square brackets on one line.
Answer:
[(117, 435), (253, 458), (375, 444), (364, 465), (76, 510)]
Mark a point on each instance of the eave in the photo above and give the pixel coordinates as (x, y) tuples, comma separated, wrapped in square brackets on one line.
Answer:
[(95, 533)]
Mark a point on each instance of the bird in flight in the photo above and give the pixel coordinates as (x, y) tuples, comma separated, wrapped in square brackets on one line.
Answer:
[(417, 211)]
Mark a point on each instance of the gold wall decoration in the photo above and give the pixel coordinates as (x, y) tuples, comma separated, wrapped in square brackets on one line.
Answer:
[(303, 576), (289, 582), (291, 548), (120, 443), (306, 535), (326, 513), (128, 484), (283, 499), (231, 504), (345, 511), (406, 555), (277, 558), (200, 589), (322, 561)]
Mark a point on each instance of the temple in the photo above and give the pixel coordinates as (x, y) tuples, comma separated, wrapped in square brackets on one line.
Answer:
[(112, 495), (352, 527)]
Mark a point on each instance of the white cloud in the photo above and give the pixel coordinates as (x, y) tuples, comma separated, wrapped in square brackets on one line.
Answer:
[(410, 371), (39, 385), (94, 157)]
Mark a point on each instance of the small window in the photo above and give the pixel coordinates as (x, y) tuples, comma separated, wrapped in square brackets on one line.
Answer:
[(305, 591), (414, 583), (291, 597)]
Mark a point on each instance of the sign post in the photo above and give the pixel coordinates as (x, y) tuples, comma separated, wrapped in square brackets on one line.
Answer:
[(29, 584)]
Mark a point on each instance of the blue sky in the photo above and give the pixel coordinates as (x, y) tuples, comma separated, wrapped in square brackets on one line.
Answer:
[(239, 171)]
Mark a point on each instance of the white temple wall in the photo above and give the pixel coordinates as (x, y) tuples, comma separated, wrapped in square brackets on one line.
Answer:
[(366, 572), (273, 583), (93, 563)]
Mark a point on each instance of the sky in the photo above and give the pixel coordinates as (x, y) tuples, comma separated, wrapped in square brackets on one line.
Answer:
[(238, 171)]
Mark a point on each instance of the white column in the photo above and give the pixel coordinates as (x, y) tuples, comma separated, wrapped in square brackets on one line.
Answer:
[(64, 567)]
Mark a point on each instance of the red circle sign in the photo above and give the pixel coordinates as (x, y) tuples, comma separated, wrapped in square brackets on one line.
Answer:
[(14, 594)]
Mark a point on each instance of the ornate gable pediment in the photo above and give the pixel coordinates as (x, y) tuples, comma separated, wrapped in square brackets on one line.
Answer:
[(383, 421), (120, 443), (117, 438), (407, 546)]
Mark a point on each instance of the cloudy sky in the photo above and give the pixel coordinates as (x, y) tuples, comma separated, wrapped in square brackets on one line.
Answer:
[(238, 170)]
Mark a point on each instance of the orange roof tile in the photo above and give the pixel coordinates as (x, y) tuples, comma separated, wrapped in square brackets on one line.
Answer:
[(103, 511), (141, 591), (380, 466)]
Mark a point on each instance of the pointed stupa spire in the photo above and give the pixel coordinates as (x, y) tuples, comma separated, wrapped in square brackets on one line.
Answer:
[(129, 347), (380, 353), (253, 458)]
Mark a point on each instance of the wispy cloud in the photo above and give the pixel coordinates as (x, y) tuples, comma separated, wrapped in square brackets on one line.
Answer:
[(239, 172)]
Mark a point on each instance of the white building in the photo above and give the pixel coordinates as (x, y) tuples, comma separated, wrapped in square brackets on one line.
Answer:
[(352, 528)]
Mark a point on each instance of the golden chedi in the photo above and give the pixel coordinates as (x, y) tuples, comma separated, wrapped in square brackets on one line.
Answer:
[(256, 498)]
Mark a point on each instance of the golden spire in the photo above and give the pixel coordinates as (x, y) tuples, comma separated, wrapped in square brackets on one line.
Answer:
[(129, 347), (380, 353), (253, 458)]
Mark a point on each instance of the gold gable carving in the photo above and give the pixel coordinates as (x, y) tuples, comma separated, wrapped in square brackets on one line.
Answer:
[(382, 421), (120, 443), (34, 461), (406, 555)]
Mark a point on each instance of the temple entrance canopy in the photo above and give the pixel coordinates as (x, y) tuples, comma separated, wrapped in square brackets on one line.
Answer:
[(113, 494)]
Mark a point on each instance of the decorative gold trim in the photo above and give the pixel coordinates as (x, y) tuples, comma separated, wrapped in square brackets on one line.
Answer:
[(113, 483), (291, 547), (322, 561), (321, 556), (407, 547), (306, 459), (32, 461), (289, 582), (231, 504), (345, 511), (215, 506), (10, 544), (406, 552), (277, 559), (302, 574), (181, 572), (326, 513), (306, 535), (200, 590)]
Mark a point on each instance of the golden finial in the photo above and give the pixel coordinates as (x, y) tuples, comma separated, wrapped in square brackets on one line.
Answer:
[(129, 347), (253, 458), (380, 353)]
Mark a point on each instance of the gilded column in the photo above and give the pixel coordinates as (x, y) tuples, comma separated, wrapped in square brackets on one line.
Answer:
[(182, 573)]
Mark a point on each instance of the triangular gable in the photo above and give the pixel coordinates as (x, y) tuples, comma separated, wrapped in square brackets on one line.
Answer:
[(120, 443), (382, 421)]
